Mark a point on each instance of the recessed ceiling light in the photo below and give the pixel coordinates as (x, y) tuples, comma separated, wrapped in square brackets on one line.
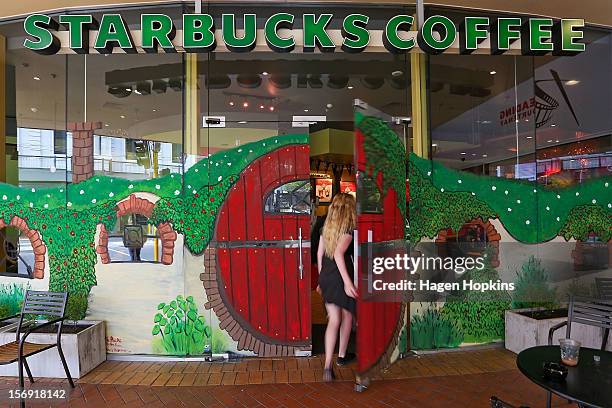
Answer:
[(36, 78), (549, 141), (484, 155), (231, 103), (473, 154), (34, 109), (553, 125), (434, 145), (529, 137), (493, 72), (572, 82), (154, 110), (242, 122), (122, 116), (264, 73), (128, 89), (463, 153), (396, 73), (245, 104), (271, 108), (350, 87), (261, 106), (557, 141), (106, 125), (305, 110), (137, 92)]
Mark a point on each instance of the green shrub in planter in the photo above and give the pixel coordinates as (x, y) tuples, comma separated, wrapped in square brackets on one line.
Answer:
[(76, 308), (532, 288), (11, 299), (182, 330)]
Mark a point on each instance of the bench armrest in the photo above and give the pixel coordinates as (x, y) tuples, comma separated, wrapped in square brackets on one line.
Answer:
[(553, 330)]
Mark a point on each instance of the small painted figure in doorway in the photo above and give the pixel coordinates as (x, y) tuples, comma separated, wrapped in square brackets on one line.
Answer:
[(335, 261)]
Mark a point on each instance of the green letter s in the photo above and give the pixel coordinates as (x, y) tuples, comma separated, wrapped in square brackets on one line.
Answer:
[(38, 26), (356, 36)]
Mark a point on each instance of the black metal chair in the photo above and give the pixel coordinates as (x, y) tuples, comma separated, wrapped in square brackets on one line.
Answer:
[(589, 311), (497, 403), (604, 288), (36, 303)]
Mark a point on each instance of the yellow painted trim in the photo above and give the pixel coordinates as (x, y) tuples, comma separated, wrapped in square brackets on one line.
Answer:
[(192, 123), (418, 89)]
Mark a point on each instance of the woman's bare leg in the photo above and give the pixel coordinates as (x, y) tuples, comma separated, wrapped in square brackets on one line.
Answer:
[(345, 332), (334, 317)]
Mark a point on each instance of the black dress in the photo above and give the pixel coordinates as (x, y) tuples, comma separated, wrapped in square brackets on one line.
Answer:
[(331, 283)]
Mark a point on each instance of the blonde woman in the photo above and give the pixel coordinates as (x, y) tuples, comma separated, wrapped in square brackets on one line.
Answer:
[(335, 262)]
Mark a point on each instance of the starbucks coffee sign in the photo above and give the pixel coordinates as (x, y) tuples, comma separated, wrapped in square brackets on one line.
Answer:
[(81, 33)]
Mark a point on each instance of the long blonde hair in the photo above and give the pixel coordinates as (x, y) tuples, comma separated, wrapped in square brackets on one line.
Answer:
[(340, 220)]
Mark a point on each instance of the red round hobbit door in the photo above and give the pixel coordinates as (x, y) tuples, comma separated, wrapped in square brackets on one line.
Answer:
[(257, 275)]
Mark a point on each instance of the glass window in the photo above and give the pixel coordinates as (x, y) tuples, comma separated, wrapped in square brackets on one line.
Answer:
[(290, 198)]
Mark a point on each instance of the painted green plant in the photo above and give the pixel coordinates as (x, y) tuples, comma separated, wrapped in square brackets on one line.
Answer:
[(432, 330), (11, 299), (183, 331)]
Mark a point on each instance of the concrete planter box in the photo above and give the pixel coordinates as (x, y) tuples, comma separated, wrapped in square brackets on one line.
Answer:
[(524, 331), (84, 351)]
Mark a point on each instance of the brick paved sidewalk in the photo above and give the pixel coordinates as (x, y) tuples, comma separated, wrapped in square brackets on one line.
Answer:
[(457, 391)]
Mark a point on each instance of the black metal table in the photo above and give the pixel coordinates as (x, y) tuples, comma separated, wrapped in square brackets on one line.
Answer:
[(589, 383)]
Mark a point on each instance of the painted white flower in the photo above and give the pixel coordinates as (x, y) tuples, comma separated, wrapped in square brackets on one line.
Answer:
[(547, 208), (429, 173), (61, 190), (535, 191), (157, 186), (18, 197), (577, 194), (473, 193), (4, 197), (558, 219), (493, 188), (93, 201), (194, 191), (459, 181), (31, 205), (518, 201), (131, 186), (172, 176), (263, 144), (176, 192), (609, 205), (217, 164), (97, 180), (250, 151), (527, 222), (111, 194), (48, 195), (220, 178), (606, 184), (196, 170), (69, 204), (239, 150), (506, 192), (33, 190), (594, 201), (442, 190), (229, 164), (46, 206), (81, 192), (275, 141), (558, 196), (509, 209)]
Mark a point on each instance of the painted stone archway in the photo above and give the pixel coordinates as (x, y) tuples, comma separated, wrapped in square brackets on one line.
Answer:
[(38, 245), (137, 205), (493, 238)]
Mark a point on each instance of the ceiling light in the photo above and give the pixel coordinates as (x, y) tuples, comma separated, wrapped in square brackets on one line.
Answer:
[(529, 137), (137, 92), (272, 108), (261, 106), (484, 155), (242, 122), (128, 89), (553, 125), (572, 82), (549, 141), (473, 154), (434, 145), (463, 153), (231, 103), (397, 73), (493, 72), (264, 73), (34, 109), (350, 87), (245, 104), (305, 110), (557, 141), (154, 110), (36, 78), (106, 125), (122, 116)]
